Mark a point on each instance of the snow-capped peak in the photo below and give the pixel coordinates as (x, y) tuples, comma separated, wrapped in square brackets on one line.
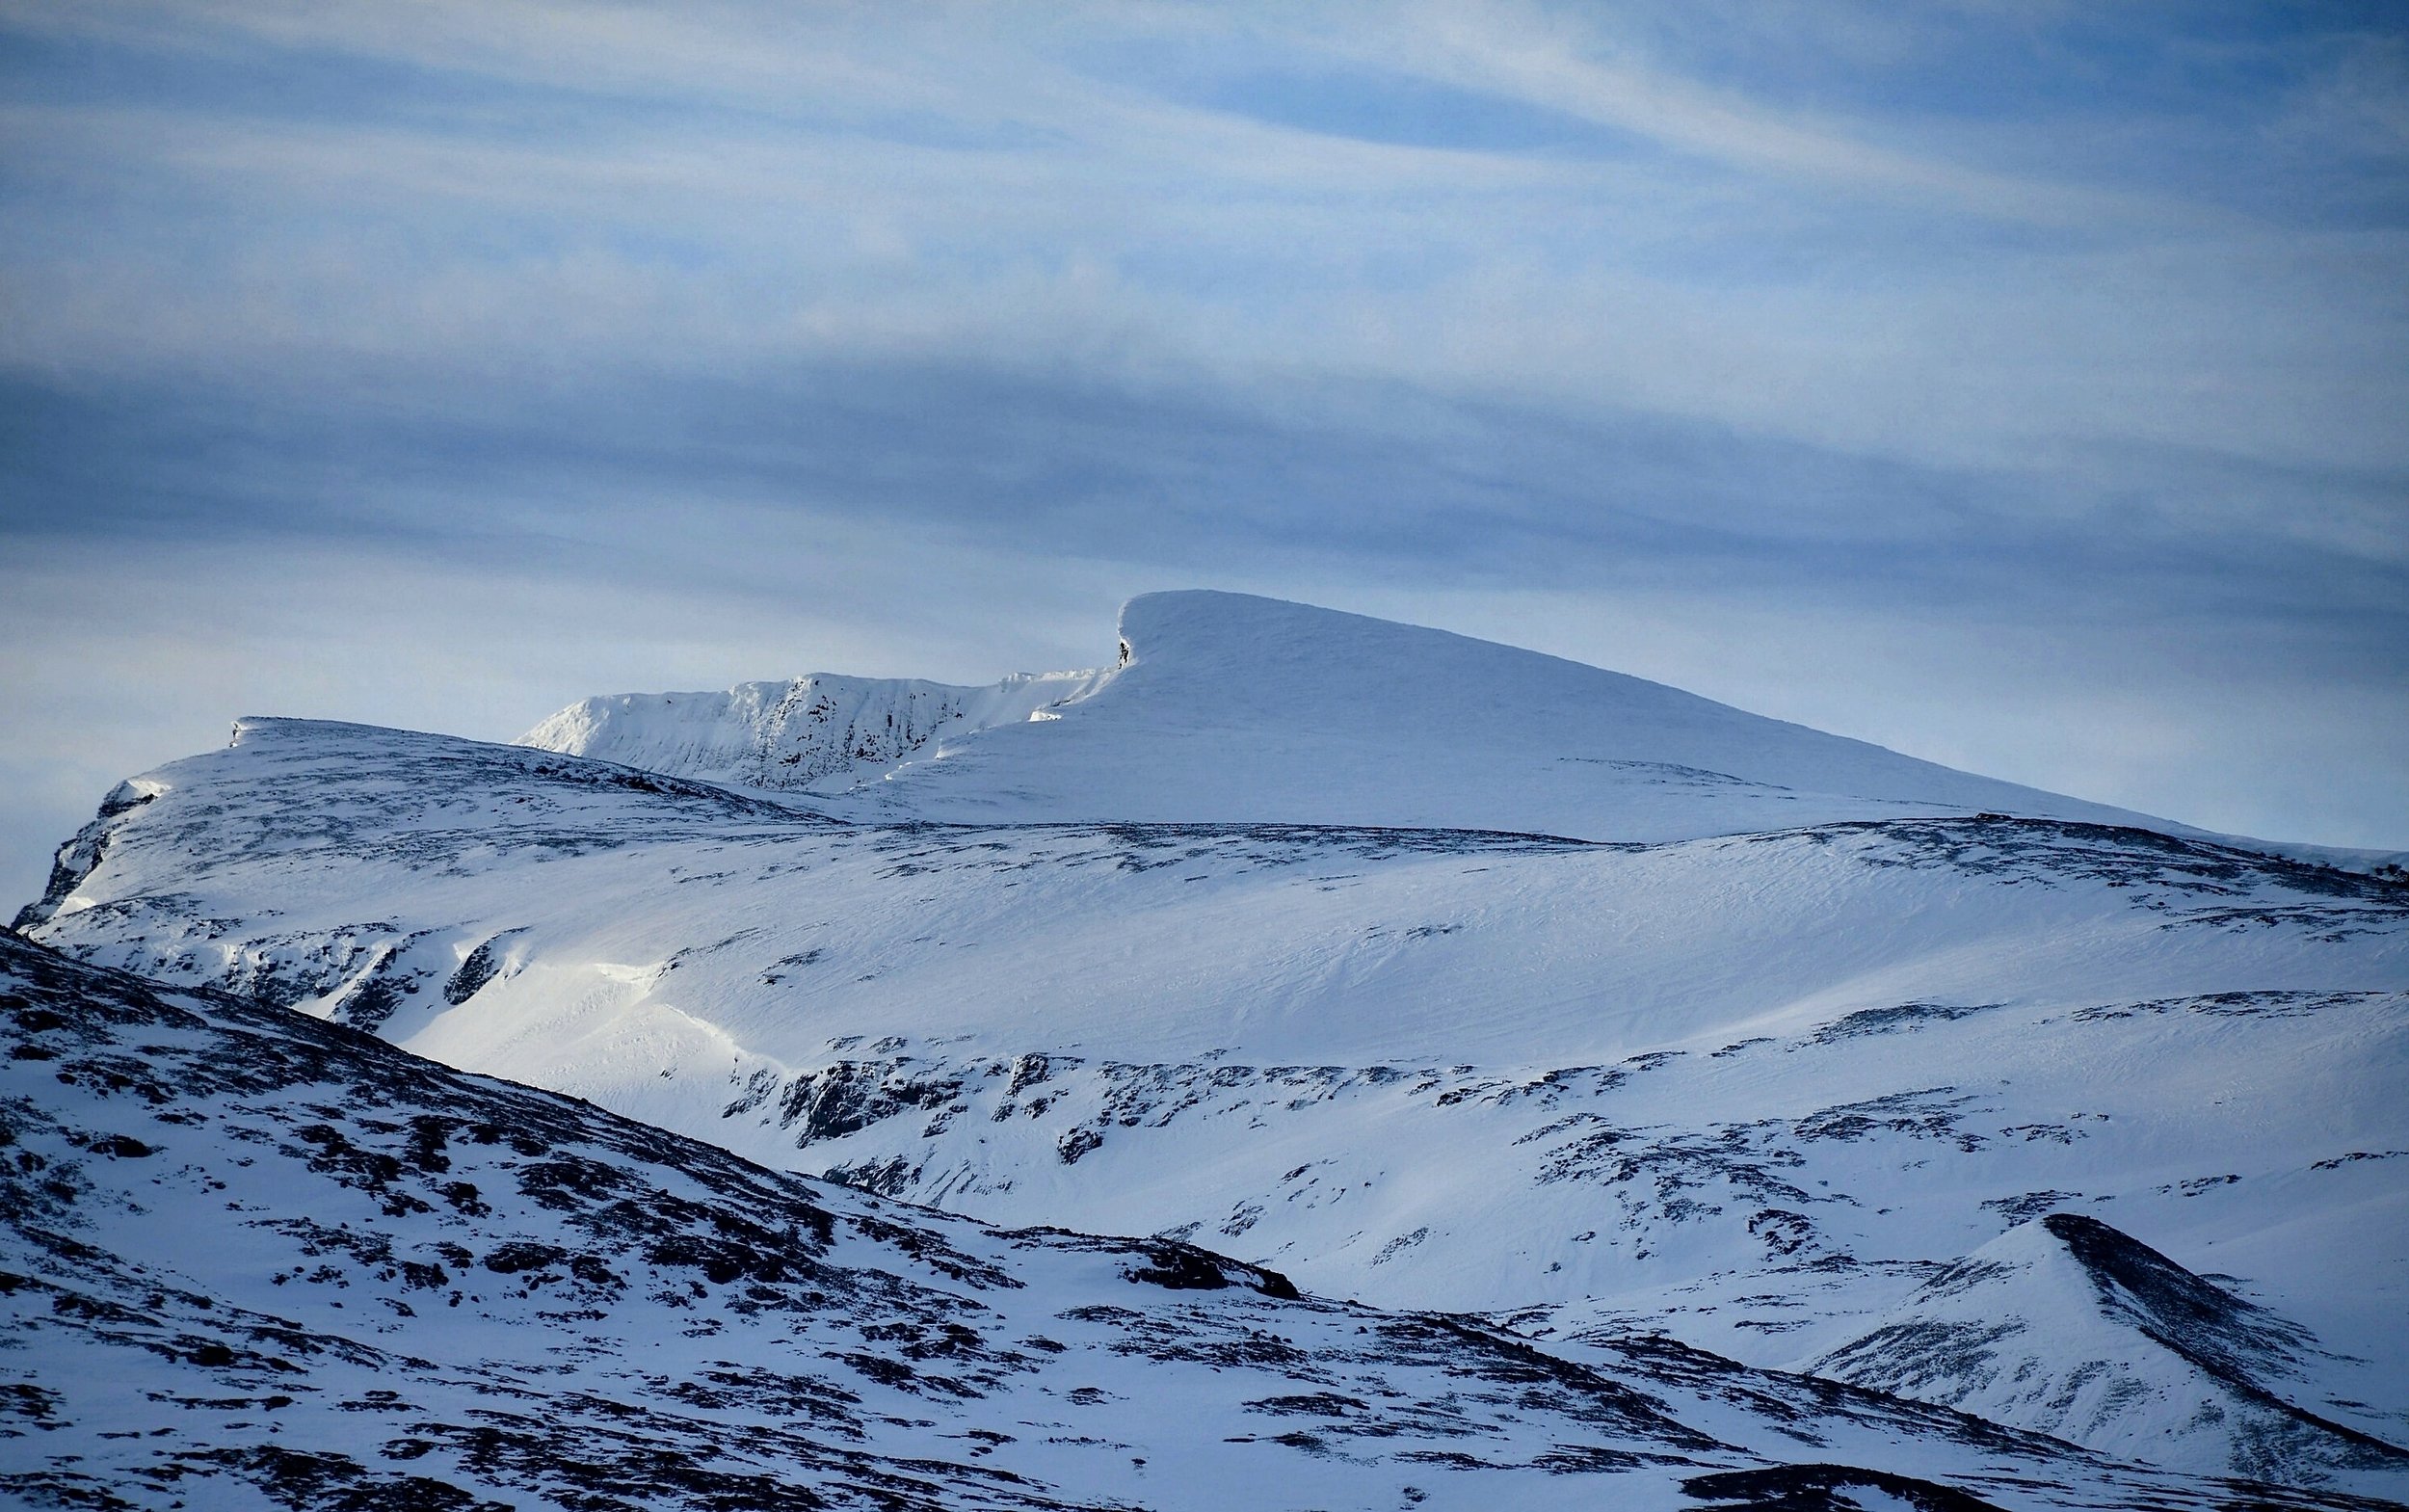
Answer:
[(1229, 707)]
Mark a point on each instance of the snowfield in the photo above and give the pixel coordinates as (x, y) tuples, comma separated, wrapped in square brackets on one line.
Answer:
[(2065, 1325), (1428, 973), (1236, 709), (426, 1290)]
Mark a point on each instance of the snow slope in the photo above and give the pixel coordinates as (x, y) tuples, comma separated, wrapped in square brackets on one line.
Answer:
[(2066, 1326), (424, 1289), (1237, 710), (798, 733), (1751, 1091)]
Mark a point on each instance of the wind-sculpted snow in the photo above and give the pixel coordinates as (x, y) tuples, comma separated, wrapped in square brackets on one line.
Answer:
[(1752, 1091), (247, 1258), (798, 733), (1233, 708)]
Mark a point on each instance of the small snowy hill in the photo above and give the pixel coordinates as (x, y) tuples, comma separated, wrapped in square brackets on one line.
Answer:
[(1238, 709), (247, 1258), (2068, 1327)]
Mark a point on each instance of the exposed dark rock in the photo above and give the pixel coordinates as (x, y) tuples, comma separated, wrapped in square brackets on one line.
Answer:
[(1822, 1488)]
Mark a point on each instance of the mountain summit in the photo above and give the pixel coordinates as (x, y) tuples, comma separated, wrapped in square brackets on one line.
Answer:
[(1370, 1007), (1229, 708)]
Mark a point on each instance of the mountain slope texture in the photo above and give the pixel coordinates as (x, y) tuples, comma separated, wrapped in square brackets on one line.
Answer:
[(1231, 708), (1458, 980), (2066, 1326), (435, 1290)]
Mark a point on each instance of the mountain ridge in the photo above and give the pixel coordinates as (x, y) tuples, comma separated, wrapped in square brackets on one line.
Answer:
[(1504, 1073), (2160, 1353), (437, 1291), (1749, 1089), (1228, 707), (1232, 707)]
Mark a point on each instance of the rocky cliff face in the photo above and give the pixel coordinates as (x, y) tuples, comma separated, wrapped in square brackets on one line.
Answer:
[(796, 734), (80, 855)]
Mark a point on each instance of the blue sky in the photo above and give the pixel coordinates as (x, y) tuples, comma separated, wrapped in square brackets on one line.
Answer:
[(2022, 385)]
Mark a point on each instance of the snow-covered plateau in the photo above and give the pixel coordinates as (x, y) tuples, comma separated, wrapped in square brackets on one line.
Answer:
[(1561, 1013)]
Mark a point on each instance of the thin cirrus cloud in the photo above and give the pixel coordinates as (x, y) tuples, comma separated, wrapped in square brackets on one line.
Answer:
[(2064, 345), (1543, 66)]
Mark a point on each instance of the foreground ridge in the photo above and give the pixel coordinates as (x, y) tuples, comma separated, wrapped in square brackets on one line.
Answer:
[(435, 1290)]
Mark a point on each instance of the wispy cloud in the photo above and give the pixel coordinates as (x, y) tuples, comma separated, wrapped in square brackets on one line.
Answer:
[(1888, 318), (1548, 61)]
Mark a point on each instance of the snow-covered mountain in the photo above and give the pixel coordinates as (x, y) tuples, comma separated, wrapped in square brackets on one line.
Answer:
[(1427, 972), (1228, 709), (823, 729), (2065, 1326), (430, 1291)]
